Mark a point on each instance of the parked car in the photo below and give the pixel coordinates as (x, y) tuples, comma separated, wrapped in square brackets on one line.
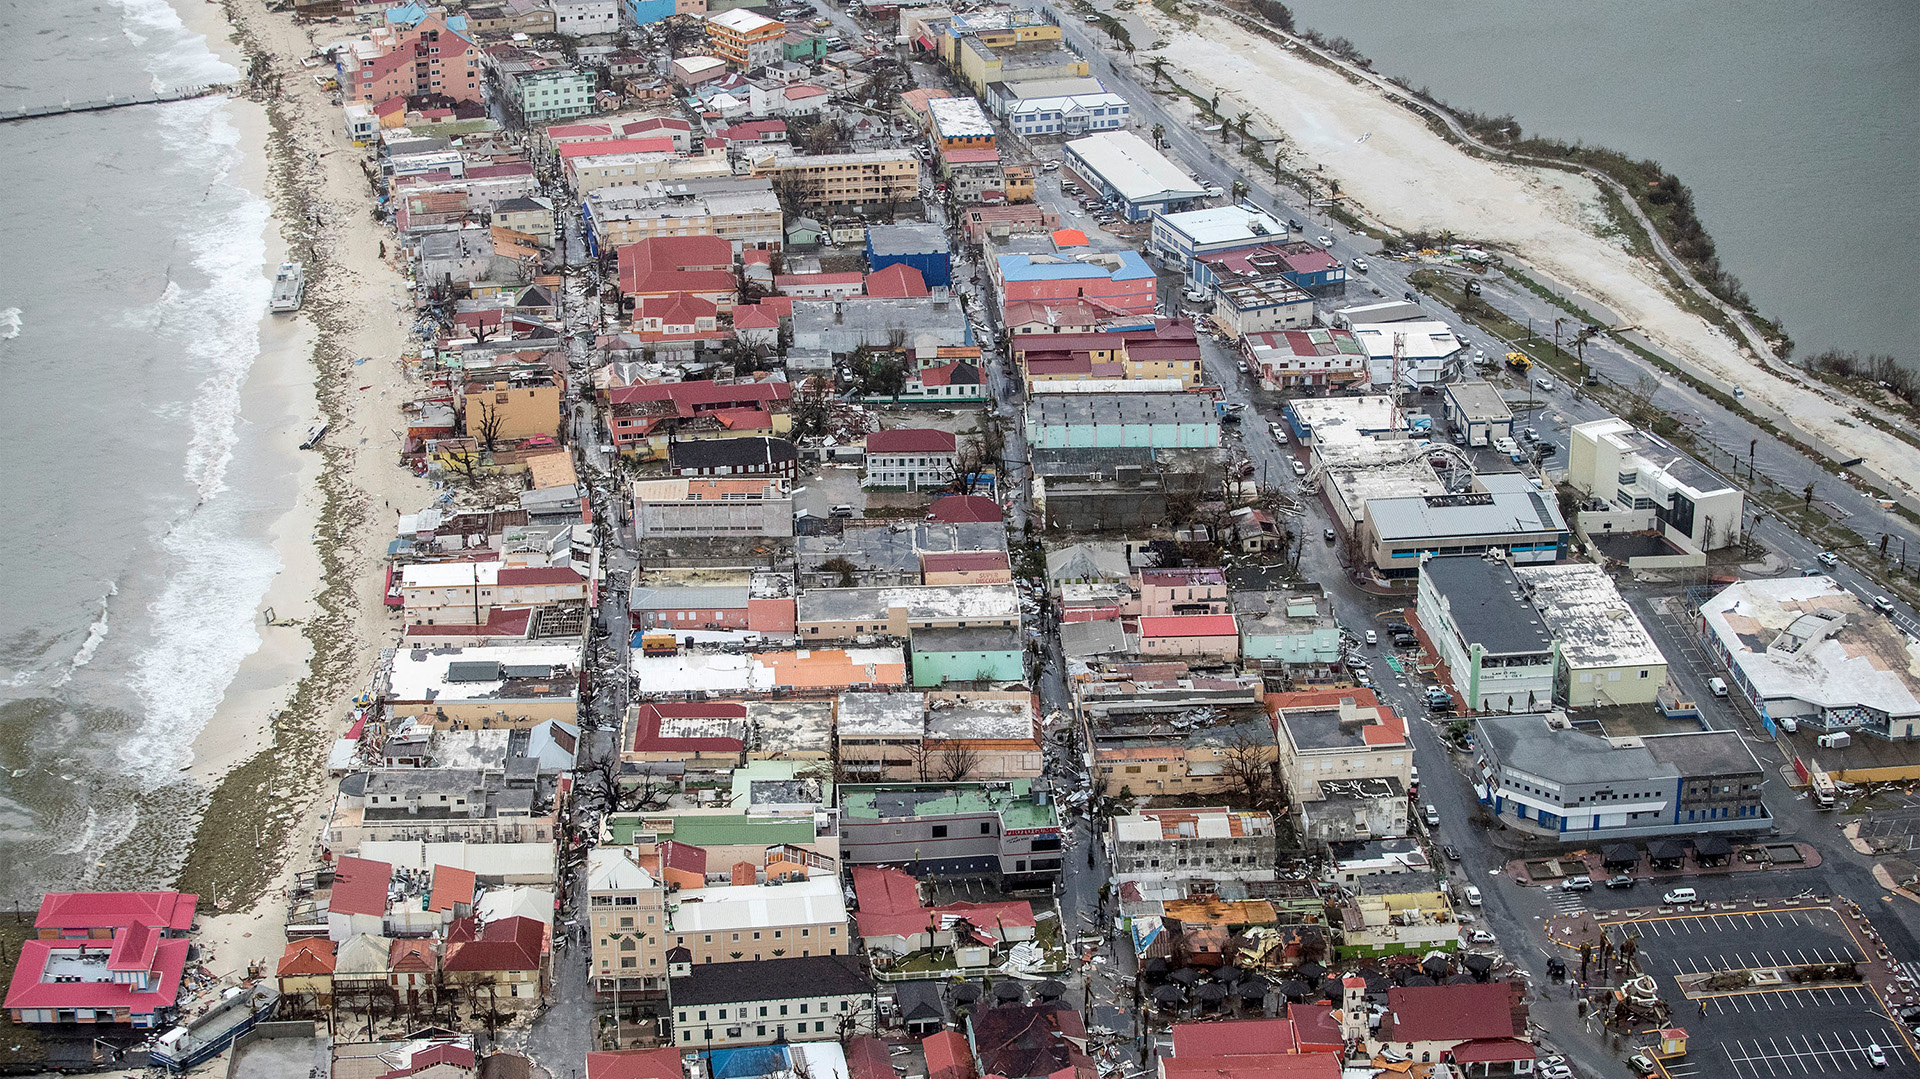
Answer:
[(1373, 637), (1431, 814), (1883, 604), (1452, 853), (1544, 385), (1481, 936), (1361, 265), (1680, 896), (1642, 1064), (1327, 534), (1397, 627), (1473, 895), (1876, 1056), (1299, 469), (1581, 883), (1405, 640), (1620, 881)]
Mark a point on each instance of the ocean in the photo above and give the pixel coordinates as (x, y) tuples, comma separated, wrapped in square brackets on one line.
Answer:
[(144, 478), (1797, 126)]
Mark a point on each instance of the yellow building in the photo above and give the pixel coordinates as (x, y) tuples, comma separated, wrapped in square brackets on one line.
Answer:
[(627, 908), (519, 405), (1018, 184), (856, 179), (746, 40)]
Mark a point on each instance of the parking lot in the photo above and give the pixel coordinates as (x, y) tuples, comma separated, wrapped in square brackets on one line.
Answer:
[(1696, 944), (1830, 1050)]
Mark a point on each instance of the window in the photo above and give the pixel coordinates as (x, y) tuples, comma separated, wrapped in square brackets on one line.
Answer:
[(939, 831)]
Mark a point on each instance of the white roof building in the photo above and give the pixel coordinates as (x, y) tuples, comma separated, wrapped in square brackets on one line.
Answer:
[(959, 118), (1426, 347), (1125, 165), (1608, 655), (1807, 648), (812, 901), (741, 21), (476, 673)]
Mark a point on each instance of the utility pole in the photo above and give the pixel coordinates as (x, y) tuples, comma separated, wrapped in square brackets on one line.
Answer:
[(1752, 443)]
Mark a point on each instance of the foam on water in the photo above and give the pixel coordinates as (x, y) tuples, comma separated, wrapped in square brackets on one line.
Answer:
[(203, 620), (96, 633), (174, 55), (10, 322)]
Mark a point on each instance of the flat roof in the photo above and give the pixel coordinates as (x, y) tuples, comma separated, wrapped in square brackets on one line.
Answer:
[(882, 715), (952, 601), (1504, 510), (959, 118), (742, 21), (1226, 224), (1478, 400), (1487, 605), (753, 906), (485, 672), (1049, 410), (1011, 800), (1124, 265), (1134, 169), (1586, 614), (1344, 418), (1809, 639), (1658, 454)]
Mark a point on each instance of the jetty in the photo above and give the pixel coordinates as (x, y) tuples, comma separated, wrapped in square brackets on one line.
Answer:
[(35, 112)]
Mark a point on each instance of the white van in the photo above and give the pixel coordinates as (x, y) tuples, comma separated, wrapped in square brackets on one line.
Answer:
[(1473, 895), (1718, 686), (1834, 740), (1680, 896)]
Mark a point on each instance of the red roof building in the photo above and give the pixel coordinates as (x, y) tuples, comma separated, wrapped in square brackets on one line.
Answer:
[(507, 945), (965, 509), (892, 914), (1189, 625), (1450, 1014), (647, 145), (73, 915), (1317, 1066), (947, 1055), (911, 440), (898, 281), (360, 887), (701, 734), (1315, 1030), (452, 891), (135, 980), (661, 265), (306, 957), (636, 1064), (1239, 1037)]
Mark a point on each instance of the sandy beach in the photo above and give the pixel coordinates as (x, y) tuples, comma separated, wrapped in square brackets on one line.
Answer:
[(339, 359), (1397, 171)]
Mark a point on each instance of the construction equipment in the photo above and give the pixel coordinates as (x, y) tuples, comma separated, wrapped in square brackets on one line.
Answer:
[(1519, 361)]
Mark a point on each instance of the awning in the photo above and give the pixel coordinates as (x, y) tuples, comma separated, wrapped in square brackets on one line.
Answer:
[(924, 42)]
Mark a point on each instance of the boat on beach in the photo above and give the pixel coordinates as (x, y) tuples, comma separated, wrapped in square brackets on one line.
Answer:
[(289, 287), (314, 434)]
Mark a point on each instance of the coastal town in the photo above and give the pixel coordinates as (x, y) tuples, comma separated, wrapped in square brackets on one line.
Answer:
[(909, 549)]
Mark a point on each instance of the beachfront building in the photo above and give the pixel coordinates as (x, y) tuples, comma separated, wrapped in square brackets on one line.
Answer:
[(430, 57), (1123, 167), (103, 958), (1073, 106), (487, 686)]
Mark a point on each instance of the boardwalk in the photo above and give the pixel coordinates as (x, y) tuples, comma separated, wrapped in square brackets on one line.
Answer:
[(36, 112)]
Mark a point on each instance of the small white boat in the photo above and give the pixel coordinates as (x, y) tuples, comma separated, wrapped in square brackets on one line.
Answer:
[(314, 435), (289, 287)]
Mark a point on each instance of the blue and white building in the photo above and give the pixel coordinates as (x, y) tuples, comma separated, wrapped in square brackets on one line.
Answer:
[(1183, 238), (648, 12), (1075, 106), (1123, 167)]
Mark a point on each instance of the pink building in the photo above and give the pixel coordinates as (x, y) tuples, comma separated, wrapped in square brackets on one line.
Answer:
[(1193, 591), (1190, 635), (426, 58)]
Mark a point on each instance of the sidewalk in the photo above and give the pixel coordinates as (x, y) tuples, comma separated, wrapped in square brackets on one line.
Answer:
[(1746, 858)]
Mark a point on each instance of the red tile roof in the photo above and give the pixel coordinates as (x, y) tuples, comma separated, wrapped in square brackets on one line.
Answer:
[(134, 948), (647, 722), (867, 1058), (1314, 1028), (1492, 1050), (688, 396), (678, 309), (27, 990), (898, 281), (1449, 1013), (1265, 1066), (755, 316), (683, 856), (655, 144), (1189, 625), (360, 886), (963, 560), (1236, 1038), (540, 575), (506, 944), (953, 374), (112, 910), (947, 1056), (1069, 238), (890, 905), (910, 440), (451, 887), (410, 955), (308, 955), (457, 1056), (637, 1064), (965, 509)]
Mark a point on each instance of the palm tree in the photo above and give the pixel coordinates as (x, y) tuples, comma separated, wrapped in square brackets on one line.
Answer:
[(1159, 68), (1213, 106), (1159, 135), (1239, 190), (1278, 167)]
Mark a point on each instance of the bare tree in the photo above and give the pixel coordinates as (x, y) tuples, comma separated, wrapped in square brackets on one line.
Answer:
[(1249, 763), (958, 761), (485, 426)]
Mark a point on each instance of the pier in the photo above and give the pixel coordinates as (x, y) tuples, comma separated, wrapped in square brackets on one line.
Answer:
[(62, 109)]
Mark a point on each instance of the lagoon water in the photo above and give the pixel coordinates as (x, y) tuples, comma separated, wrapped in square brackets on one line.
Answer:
[(139, 497), (1796, 125)]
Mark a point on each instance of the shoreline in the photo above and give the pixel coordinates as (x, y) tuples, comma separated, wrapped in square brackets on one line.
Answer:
[(1404, 175), (264, 776)]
